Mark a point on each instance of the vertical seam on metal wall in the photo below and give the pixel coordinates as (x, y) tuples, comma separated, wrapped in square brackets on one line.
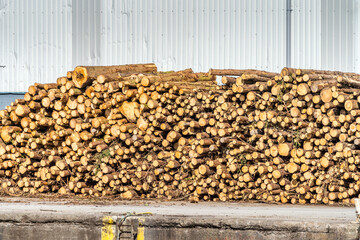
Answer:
[(288, 33)]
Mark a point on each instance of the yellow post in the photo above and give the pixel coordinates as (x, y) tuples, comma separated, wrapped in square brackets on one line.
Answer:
[(108, 231), (140, 232)]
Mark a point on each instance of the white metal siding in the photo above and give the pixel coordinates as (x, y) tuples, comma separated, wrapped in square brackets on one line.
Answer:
[(306, 34), (41, 39), (323, 34), (197, 34), (35, 42)]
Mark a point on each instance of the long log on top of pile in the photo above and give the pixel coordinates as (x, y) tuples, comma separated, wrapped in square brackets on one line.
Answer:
[(84, 75), (240, 72), (292, 137)]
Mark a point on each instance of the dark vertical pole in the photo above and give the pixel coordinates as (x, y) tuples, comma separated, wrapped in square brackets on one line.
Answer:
[(288, 33)]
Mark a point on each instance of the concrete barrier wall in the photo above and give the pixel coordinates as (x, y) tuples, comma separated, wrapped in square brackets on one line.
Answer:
[(50, 226), (36, 219)]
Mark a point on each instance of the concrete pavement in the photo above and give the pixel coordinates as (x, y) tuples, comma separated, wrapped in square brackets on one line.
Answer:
[(177, 220)]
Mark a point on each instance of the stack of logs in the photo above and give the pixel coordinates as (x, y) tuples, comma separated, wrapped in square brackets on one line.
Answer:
[(133, 132)]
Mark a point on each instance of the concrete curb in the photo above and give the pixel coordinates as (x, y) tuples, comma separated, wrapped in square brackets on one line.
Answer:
[(260, 227), (52, 221)]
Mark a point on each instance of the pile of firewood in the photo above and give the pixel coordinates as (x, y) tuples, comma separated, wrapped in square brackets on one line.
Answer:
[(133, 132)]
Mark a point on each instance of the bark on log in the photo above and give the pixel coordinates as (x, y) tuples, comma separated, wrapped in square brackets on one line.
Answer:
[(83, 76)]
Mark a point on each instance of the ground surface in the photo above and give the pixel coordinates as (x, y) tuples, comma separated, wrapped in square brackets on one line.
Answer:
[(314, 213), (72, 218)]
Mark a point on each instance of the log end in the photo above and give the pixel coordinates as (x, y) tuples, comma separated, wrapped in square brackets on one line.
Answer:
[(284, 72), (128, 109), (79, 76)]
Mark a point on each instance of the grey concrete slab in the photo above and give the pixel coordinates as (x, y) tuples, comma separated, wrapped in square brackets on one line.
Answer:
[(240, 210), (7, 98), (179, 220)]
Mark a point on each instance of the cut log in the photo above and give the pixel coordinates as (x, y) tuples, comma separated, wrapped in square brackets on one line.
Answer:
[(83, 76)]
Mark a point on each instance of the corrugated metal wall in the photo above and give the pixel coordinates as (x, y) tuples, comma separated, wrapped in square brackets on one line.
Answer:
[(41, 40), (35, 42), (197, 34), (324, 34)]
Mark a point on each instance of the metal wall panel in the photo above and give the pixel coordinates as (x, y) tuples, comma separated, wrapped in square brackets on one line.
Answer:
[(35, 42), (306, 34), (198, 34), (324, 34), (85, 27), (41, 40), (356, 35)]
